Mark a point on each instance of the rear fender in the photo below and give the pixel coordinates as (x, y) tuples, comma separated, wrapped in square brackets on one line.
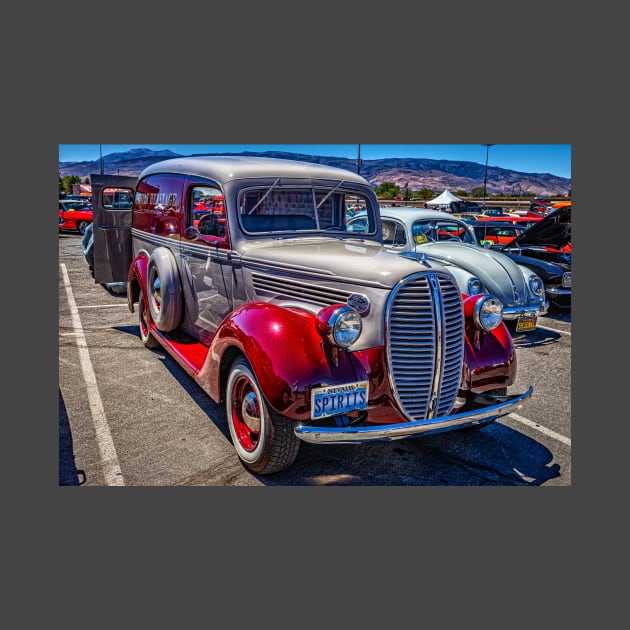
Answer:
[(137, 279), (288, 355)]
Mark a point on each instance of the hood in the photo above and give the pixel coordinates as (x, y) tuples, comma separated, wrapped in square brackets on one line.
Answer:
[(550, 268), (362, 262), (554, 230), (499, 274)]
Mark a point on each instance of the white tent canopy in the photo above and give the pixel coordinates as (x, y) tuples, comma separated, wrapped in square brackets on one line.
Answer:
[(443, 199)]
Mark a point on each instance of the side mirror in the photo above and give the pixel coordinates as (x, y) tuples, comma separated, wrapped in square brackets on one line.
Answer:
[(191, 233)]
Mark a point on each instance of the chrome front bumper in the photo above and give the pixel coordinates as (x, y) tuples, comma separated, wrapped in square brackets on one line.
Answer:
[(557, 291), (487, 409), (514, 312)]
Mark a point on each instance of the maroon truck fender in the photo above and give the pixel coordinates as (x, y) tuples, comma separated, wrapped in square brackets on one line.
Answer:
[(287, 353), (489, 357), (137, 278)]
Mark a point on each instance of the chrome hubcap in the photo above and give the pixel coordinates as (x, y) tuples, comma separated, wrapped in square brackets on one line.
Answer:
[(250, 412)]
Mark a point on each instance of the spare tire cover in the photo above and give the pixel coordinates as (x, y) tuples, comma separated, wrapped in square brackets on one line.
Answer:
[(164, 291)]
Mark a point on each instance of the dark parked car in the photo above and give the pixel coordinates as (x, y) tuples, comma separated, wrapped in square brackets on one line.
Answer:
[(546, 249), (465, 207)]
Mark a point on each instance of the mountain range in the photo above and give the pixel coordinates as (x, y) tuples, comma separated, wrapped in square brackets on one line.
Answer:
[(414, 173)]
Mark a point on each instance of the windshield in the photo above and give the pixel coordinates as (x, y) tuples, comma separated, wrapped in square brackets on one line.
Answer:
[(429, 230), (77, 205), (289, 209)]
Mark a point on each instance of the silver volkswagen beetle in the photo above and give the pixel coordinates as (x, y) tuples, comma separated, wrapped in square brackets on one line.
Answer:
[(418, 232)]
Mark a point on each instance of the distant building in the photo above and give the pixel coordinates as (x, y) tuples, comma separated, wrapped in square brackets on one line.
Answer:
[(82, 189)]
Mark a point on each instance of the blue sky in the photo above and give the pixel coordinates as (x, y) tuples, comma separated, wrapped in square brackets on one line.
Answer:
[(526, 158)]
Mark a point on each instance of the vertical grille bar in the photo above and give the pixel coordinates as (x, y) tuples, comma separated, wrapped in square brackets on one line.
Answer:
[(425, 344)]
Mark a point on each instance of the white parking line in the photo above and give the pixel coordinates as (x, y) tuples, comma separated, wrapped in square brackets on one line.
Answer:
[(564, 332), (103, 305), (538, 427), (109, 459)]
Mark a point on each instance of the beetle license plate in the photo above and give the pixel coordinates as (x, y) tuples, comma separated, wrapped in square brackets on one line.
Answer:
[(338, 399), (525, 323)]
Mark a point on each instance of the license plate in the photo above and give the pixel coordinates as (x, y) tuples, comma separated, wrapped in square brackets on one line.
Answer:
[(338, 399), (525, 323), (566, 280)]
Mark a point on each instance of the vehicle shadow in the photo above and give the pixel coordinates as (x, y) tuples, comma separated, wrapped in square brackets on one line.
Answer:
[(535, 338), (69, 474), (494, 455), (559, 314)]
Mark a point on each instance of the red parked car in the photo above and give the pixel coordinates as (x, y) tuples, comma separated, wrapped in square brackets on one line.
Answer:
[(524, 222), (542, 207), (76, 215)]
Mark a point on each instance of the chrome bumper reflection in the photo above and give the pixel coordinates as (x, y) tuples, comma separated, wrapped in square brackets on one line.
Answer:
[(514, 312), (557, 291), (488, 409)]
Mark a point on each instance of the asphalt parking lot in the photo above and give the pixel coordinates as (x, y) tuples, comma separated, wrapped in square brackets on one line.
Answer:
[(129, 416)]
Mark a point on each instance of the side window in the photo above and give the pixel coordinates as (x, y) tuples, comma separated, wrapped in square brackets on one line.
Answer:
[(359, 225), (208, 212), (393, 233), (422, 232), (117, 198), (158, 205)]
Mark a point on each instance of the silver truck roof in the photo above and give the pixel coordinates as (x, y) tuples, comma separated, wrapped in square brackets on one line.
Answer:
[(223, 168)]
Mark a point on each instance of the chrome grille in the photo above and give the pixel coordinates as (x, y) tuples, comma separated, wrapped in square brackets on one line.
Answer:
[(425, 344), (281, 287)]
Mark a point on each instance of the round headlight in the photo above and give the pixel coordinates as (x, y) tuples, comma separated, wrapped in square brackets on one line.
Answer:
[(344, 326), (488, 313), (536, 284), (474, 286)]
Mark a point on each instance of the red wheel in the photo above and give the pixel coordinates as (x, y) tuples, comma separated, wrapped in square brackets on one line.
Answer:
[(143, 321), (264, 441)]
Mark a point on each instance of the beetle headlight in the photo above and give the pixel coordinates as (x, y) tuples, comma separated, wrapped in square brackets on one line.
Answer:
[(536, 285), (344, 326), (474, 286), (488, 313)]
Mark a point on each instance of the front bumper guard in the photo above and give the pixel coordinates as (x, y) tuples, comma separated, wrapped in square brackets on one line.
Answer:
[(484, 409)]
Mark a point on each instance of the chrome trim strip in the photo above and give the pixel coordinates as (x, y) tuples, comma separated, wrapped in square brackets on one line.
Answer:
[(154, 239), (207, 250), (558, 291), (353, 435)]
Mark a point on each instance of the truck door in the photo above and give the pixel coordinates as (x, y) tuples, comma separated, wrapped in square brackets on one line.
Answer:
[(206, 259), (112, 206)]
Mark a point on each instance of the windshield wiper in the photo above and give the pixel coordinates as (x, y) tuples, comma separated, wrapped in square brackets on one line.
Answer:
[(264, 196), (330, 193)]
